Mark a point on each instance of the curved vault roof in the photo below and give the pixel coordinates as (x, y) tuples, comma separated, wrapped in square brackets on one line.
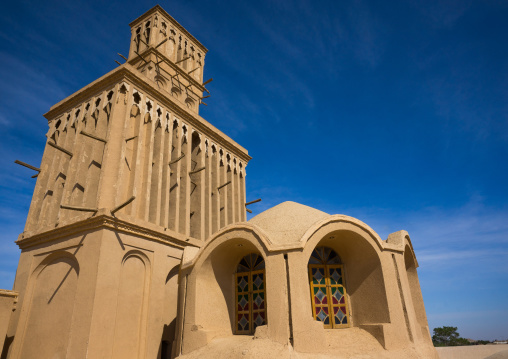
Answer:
[(287, 222)]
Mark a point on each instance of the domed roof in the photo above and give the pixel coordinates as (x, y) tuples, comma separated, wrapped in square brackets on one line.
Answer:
[(287, 222)]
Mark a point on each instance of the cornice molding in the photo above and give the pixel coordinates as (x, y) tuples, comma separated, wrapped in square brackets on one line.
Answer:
[(8, 293), (108, 222), (173, 21)]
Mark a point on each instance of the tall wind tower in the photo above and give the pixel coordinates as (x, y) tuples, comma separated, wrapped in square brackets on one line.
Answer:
[(130, 176)]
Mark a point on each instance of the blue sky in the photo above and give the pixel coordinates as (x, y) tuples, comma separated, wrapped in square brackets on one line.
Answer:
[(395, 113)]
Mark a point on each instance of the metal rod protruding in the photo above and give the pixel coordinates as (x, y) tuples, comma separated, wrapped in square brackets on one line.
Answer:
[(92, 136), (116, 209), (118, 63), (198, 170), (224, 185), (191, 71), (255, 201), (123, 57), (27, 165), (81, 209), (178, 159), (248, 210), (54, 145), (207, 82), (130, 138)]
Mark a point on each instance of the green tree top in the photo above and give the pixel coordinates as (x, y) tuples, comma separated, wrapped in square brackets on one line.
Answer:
[(447, 336)]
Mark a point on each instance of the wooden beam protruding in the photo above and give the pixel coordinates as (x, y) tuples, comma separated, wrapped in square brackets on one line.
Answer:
[(117, 208), (186, 58), (81, 209), (160, 43), (196, 171), (224, 185), (255, 201), (178, 159), (27, 165), (137, 53), (54, 145), (92, 136), (191, 71)]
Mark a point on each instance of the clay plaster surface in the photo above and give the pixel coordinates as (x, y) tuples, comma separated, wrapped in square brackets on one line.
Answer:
[(252, 348), (8, 300), (287, 222), (383, 290)]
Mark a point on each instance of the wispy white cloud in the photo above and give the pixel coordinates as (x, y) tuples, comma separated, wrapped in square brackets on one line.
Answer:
[(443, 13), (366, 29), (34, 87), (4, 121), (490, 258)]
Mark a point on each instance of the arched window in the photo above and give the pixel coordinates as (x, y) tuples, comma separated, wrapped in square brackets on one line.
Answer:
[(250, 294), (328, 288)]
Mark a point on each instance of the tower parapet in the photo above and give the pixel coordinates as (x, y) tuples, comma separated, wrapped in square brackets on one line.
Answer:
[(169, 55)]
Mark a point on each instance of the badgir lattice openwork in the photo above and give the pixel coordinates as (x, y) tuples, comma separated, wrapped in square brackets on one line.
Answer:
[(137, 245)]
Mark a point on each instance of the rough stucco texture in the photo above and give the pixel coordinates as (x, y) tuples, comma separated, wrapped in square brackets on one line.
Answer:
[(287, 222)]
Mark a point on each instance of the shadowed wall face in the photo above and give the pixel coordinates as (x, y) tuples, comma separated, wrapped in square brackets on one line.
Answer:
[(49, 323), (216, 309), (364, 277), (130, 309), (416, 293)]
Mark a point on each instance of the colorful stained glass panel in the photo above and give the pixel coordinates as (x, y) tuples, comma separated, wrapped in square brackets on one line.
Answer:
[(326, 276), (250, 298), (258, 281)]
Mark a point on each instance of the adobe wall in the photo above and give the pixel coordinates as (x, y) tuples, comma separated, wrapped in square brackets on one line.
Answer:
[(209, 289), (385, 305), (8, 300), (98, 292)]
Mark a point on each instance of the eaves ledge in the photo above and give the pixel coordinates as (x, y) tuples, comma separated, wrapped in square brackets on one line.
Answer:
[(8, 293), (102, 220)]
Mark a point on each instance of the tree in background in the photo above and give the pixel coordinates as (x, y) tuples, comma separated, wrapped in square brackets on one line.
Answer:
[(447, 336)]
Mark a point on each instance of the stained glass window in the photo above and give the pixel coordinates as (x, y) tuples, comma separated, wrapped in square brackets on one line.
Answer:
[(250, 293), (328, 288)]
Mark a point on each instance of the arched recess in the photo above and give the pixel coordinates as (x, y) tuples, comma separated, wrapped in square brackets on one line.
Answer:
[(129, 161), (416, 292), (132, 306), (49, 322), (196, 187), (360, 255), (328, 288), (250, 294), (214, 274)]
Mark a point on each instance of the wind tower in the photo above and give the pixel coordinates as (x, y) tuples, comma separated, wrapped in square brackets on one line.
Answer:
[(130, 176)]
